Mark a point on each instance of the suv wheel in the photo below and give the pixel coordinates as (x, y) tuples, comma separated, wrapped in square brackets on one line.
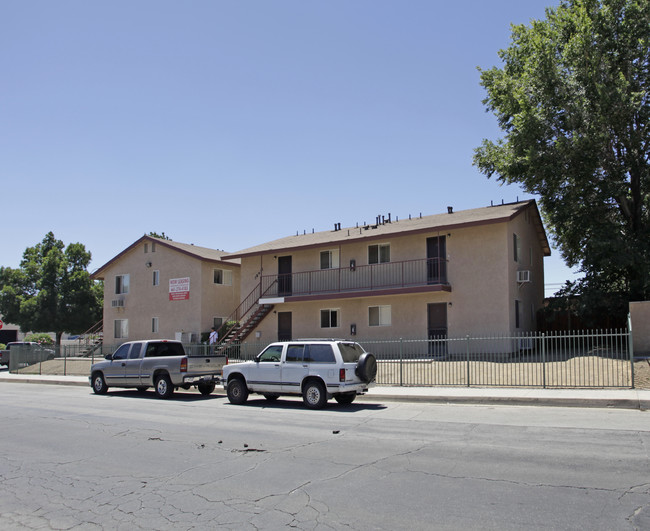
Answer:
[(345, 398), (237, 391), (313, 394), (206, 388)]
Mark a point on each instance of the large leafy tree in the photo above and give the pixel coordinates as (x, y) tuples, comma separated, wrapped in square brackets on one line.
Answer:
[(573, 99), (52, 290)]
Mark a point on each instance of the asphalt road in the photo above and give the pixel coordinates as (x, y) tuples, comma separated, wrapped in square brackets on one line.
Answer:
[(73, 460)]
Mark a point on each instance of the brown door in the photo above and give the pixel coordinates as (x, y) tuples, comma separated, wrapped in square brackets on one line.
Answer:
[(284, 326), (437, 328), (437, 260), (284, 275)]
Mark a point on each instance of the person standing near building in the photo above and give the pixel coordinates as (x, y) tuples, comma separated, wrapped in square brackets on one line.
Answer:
[(214, 336)]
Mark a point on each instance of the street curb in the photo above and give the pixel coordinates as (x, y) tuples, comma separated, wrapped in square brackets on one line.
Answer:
[(486, 400), (37, 380), (607, 403)]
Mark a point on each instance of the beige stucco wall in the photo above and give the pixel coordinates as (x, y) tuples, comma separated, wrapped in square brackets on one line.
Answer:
[(640, 316), (481, 270), (145, 301)]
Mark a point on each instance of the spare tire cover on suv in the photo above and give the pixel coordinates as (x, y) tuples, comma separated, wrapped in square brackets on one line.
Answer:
[(366, 367)]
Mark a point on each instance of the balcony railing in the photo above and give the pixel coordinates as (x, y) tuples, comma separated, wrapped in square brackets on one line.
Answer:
[(392, 275)]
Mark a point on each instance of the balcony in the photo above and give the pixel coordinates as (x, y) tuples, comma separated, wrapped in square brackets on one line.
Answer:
[(428, 274)]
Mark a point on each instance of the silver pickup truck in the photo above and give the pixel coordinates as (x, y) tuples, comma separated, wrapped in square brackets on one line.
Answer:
[(161, 364)]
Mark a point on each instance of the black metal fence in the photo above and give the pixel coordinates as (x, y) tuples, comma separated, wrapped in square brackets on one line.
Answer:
[(585, 359)]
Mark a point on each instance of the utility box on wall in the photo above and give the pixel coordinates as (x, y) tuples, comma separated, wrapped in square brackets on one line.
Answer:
[(640, 317)]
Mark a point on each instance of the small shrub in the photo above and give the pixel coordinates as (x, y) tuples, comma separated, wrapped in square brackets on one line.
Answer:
[(41, 338)]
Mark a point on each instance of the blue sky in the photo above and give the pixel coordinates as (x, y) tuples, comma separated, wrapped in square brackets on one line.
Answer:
[(230, 123)]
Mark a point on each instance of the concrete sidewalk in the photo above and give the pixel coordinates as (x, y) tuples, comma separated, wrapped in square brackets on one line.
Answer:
[(603, 398)]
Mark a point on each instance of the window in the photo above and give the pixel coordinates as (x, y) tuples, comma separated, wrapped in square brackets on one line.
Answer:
[(350, 352), (379, 254), (217, 322), (516, 244), (379, 316), (329, 259), (154, 325), (121, 353), (153, 247), (319, 354), (155, 350), (329, 318), (294, 353), (223, 276), (121, 284), (155, 278), (271, 354), (146, 248), (121, 328), (135, 351), (517, 314)]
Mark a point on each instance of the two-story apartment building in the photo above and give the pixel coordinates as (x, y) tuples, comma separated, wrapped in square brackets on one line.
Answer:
[(158, 288), (476, 271)]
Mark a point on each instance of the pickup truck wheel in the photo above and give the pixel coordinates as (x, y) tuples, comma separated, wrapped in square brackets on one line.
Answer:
[(237, 391), (206, 388), (366, 367), (99, 384), (345, 398), (313, 395), (164, 387)]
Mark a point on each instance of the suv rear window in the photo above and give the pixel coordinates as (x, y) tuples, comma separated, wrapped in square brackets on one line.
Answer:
[(350, 352), (319, 354)]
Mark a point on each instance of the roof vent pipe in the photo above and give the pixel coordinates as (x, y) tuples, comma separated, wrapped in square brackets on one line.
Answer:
[(450, 210)]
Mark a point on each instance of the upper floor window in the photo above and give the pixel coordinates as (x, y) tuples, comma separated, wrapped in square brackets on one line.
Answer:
[(379, 254), (379, 316), (329, 259), (155, 280), (223, 276), (155, 325), (121, 284), (516, 245)]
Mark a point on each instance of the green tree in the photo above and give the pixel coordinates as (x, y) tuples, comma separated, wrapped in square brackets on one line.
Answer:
[(573, 99), (52, 290)]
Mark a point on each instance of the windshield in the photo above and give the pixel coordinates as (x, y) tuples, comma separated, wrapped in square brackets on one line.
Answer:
[(350, 352)]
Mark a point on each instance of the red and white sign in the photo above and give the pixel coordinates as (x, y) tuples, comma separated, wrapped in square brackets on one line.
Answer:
[(1, 324), (179, 289)]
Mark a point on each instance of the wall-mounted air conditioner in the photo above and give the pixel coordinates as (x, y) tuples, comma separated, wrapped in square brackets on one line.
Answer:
[(523, 276), (117, 303)]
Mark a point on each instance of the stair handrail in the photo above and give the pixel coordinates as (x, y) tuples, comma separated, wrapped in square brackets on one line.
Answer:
[(248, 303), (98, 326)]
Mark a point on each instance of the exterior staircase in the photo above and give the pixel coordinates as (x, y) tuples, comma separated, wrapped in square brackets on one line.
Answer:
[(244, 320), (241, 331)]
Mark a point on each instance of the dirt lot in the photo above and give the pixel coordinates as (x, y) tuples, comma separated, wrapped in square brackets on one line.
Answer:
[(590, 371)]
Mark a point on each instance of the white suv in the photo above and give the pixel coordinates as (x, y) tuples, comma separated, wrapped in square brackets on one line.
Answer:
[(316, 369)]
